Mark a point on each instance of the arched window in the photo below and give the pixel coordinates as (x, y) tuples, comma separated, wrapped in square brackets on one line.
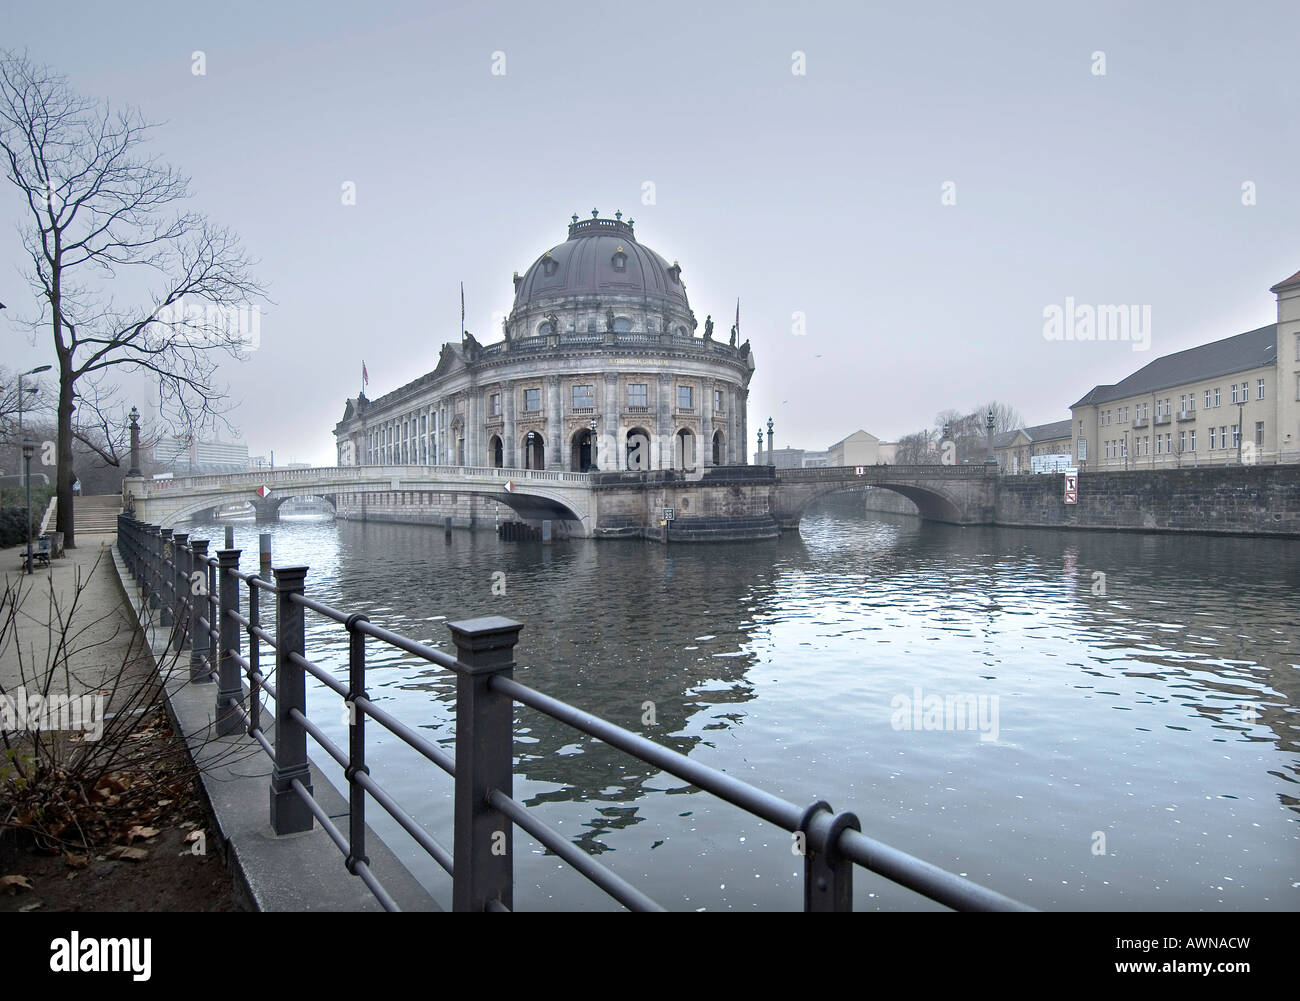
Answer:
[(622, 324)]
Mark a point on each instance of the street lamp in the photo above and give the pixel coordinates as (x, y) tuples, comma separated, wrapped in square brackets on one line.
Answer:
[(771, 443), (592, 444), (33, 371), (135, 444), (988, 422), (760, 445), (28, 449)]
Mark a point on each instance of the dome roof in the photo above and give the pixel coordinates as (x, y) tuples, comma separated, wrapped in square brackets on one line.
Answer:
[(601, 257)]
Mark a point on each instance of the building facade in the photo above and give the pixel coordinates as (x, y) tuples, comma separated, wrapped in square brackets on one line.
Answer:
[(1043, 448), (1229, 401), (600, 367)]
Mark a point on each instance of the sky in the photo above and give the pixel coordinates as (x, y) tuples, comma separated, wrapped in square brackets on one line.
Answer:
[(896, 220)]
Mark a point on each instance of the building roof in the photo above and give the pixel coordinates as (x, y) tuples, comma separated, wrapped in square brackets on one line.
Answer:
[(1050, 432), (854, 435), (1208, 361), (600, 257), (1287, 282)]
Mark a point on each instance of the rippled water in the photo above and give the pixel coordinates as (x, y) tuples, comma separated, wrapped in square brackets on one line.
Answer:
[(1145, 720)]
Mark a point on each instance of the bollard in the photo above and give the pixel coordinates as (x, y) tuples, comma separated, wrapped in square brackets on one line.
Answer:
[(446, 528), (230, 690), (264, 556), (289, 814), (483, 850), (230, 537), (198, 590)]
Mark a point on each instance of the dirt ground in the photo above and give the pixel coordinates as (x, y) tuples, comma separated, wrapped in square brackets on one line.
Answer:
[(137, 837)]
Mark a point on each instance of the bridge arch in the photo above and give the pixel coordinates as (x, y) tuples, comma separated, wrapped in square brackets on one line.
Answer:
[(945, 496)]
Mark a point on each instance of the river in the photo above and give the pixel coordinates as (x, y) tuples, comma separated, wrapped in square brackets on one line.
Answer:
[(1130, 744)]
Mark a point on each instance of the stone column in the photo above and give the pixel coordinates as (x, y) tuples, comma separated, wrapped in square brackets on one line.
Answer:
[(705, 456), (556, 454), (742, 425), (508, 432), (664, 423), (607, 452)]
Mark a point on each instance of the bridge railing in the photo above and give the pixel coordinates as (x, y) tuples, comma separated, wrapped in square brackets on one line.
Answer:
[(201, 594), (333, 476), (972, 471)]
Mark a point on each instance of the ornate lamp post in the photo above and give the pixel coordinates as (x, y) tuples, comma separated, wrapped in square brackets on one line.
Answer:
[(592, 425), (28, 449), (135, 444), (988, 421), (771, 443), (760, 446)]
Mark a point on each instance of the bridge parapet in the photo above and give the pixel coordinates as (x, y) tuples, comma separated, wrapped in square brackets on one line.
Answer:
[(891, 473)]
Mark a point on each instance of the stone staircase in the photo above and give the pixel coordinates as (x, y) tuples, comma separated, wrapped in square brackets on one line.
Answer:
[(97, 515)]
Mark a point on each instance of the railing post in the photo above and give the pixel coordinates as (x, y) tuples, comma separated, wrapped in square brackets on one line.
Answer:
[(196, 589), (356, 744), (483, 842), (153, 565), (166, 577), (230, 689), (289, 814), (827, 876), (182, 590)]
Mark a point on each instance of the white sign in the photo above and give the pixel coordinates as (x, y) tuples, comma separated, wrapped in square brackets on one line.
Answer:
[(859, 470), (1072, 486), (1056, 463), (670, 514)]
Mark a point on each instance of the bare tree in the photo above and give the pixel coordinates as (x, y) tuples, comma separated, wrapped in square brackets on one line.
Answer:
[(35, 405), (105, 227)]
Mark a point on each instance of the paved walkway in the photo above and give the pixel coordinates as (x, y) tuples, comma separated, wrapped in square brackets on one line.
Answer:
[(81, 591)]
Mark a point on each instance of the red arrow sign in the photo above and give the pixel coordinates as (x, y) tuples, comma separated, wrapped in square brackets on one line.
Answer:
[(510, 486), (264, 492)]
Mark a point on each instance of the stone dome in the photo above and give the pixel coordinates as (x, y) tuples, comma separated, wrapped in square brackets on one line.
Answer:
[(601, 258)]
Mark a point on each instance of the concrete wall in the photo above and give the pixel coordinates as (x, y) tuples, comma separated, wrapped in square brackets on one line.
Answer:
[(424, 507), (1262, 500)]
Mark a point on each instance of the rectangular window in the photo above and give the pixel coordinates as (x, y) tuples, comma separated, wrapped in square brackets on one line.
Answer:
[(636, 395), (495, 408), (1191, 441), (1182, 441), (532, 400), (584, 396), (1259, 433), (1236, 435), (685, 397), (1083, 449), (1169, 441), (1259, 390), (717, 401), (1207, 399), (1217, 398), (1223, 436), (1160, 445), (1212, 438)]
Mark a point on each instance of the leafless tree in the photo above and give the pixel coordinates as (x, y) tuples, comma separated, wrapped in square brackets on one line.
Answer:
[(127, 280)]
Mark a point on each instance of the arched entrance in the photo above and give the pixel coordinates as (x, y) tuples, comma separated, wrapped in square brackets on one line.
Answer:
[(496, 452), (534, 450), (582, 456), (719, 449), (638, 449), (684, 449)]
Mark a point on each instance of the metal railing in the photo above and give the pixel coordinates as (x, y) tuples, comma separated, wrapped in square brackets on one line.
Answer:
[(200, 593)]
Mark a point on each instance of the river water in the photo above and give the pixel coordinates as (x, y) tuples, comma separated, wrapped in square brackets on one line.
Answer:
[(1129, 739)]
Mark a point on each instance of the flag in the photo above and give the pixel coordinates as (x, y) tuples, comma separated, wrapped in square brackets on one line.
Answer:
[(737, 317), (462, 306), (365, 376)]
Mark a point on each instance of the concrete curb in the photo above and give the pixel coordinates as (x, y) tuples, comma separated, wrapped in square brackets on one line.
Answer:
[(298, 872)]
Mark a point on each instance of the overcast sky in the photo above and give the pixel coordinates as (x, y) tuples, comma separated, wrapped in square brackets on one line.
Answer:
[(819, 193)]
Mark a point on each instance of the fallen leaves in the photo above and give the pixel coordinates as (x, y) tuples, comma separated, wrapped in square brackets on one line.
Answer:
[(12, 884)]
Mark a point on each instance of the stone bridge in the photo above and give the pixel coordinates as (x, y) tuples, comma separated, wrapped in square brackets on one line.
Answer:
[(717, 503), (534, 494)]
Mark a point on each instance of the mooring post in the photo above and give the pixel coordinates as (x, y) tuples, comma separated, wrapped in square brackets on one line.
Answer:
[(264, 555), (197, 587), (230, 537), (289, 814), (230, 689), (483, 850)]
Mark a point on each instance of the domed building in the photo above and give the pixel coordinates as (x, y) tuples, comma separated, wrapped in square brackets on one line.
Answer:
[(601, 366)]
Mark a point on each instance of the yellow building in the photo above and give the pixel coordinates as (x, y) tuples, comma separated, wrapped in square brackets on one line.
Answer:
[(1189, 408)]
